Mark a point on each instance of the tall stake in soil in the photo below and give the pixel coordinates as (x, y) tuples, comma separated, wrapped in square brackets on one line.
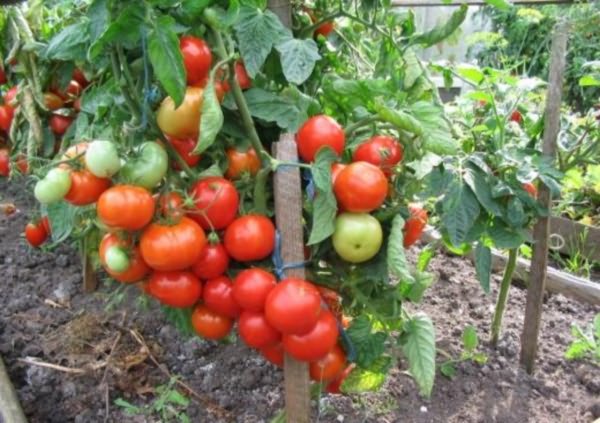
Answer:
[(539, 262), (503, 296)]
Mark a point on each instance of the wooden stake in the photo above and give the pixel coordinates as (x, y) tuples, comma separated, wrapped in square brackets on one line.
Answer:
[(288, 215), (541, 232), (10, 408)]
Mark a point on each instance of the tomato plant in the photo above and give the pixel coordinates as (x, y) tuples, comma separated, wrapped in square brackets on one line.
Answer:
[(176, 289), (250, 237), (218, 297), (209, 324), (36, 233), (125, 207), (213, 261), (216, 201)]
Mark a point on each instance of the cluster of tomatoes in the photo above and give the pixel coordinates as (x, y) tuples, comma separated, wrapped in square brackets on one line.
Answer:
[(360, 187)]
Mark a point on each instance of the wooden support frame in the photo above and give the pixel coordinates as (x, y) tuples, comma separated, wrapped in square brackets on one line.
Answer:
[(557, 281), (541, 230), (288, 216), (10, 408)]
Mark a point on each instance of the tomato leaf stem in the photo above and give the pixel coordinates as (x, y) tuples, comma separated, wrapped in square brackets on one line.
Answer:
[(503, 296)]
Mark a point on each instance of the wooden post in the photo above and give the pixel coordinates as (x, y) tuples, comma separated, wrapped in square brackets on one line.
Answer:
[(288, 215), (283, 10), (541, 232), (10, 408)]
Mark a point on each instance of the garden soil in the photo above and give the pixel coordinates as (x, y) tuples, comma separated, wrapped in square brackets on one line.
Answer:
[(126, 352)]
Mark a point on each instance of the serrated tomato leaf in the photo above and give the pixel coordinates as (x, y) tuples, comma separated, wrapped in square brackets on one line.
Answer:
[(418, 345), (298, 58), (212, 117), (368, 344), (325, 204), (367, 379), (396, 257)]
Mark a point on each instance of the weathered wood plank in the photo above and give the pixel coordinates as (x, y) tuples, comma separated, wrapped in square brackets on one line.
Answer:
[(541, 230), (10, 408), (578, 238), (288, 216), (557, 281)]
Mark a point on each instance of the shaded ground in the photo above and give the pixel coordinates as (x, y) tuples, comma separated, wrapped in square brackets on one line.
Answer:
[(44, 315)]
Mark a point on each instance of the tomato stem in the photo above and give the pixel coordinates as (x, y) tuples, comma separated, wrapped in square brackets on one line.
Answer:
[(260, 190), (116, 69), (238, 95), (503, 296), (360, 123)]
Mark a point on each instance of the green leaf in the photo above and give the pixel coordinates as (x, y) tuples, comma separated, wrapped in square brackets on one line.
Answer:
[(460, 210), (212, 117), (437, 134), (470, 339), (288, 109), (194, 8), (166, 58), (480, 96), (396, 258), (128, 407), (257, 32), (448, 369), (418, 345), (325, 204), (443, 31), (425, 257), (412, 68), (503, 236), (425, 164), (369, 345), (515, 214), (479, 184), (589, 81), (414, 291), (471, 73), (61, 216), (175, 397), (126, 29), (70, 43), (499, 4), (367, 379), (99, 18), (400, 119), (298, 59), (483, 266), (181, 318)]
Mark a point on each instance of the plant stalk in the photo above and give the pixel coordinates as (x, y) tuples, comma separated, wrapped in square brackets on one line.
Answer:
[(503, 296)]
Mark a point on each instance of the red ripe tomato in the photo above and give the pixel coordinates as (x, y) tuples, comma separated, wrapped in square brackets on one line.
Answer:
[(176, 289), (126, 207), (241, 162), (293, 306), (273, 353), (334, 385), (336, 168), (256, 331), (171, 205), (35, 233), (218, 297), (516, 116), (213, 261), (250, 237), (22, 164), (138, 269), (361, 187), (210, 325), (6, 116), (531, 189), (59, 124), (10, 97), (315, 344), (382, 151), (86, 188), (317, 132), (216, 201), (329, 367), (242, 76), (53, 101), (46, 224), (185, 147), (251, 287), (77, 104), (3, 79), (73, 90), (4, 162), (325, 29), (79, 76), (221, 88), (414, 225), (197, 58), (172, 247)]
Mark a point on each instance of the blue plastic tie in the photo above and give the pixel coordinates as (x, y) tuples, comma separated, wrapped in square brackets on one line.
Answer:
[(310, 187), (280, 266), (348, 345)]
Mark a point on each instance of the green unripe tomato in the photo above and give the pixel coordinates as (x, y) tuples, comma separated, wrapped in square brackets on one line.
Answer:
[(148, 168), (116, 260), (53, 187), (357, 237), (102, 159)]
